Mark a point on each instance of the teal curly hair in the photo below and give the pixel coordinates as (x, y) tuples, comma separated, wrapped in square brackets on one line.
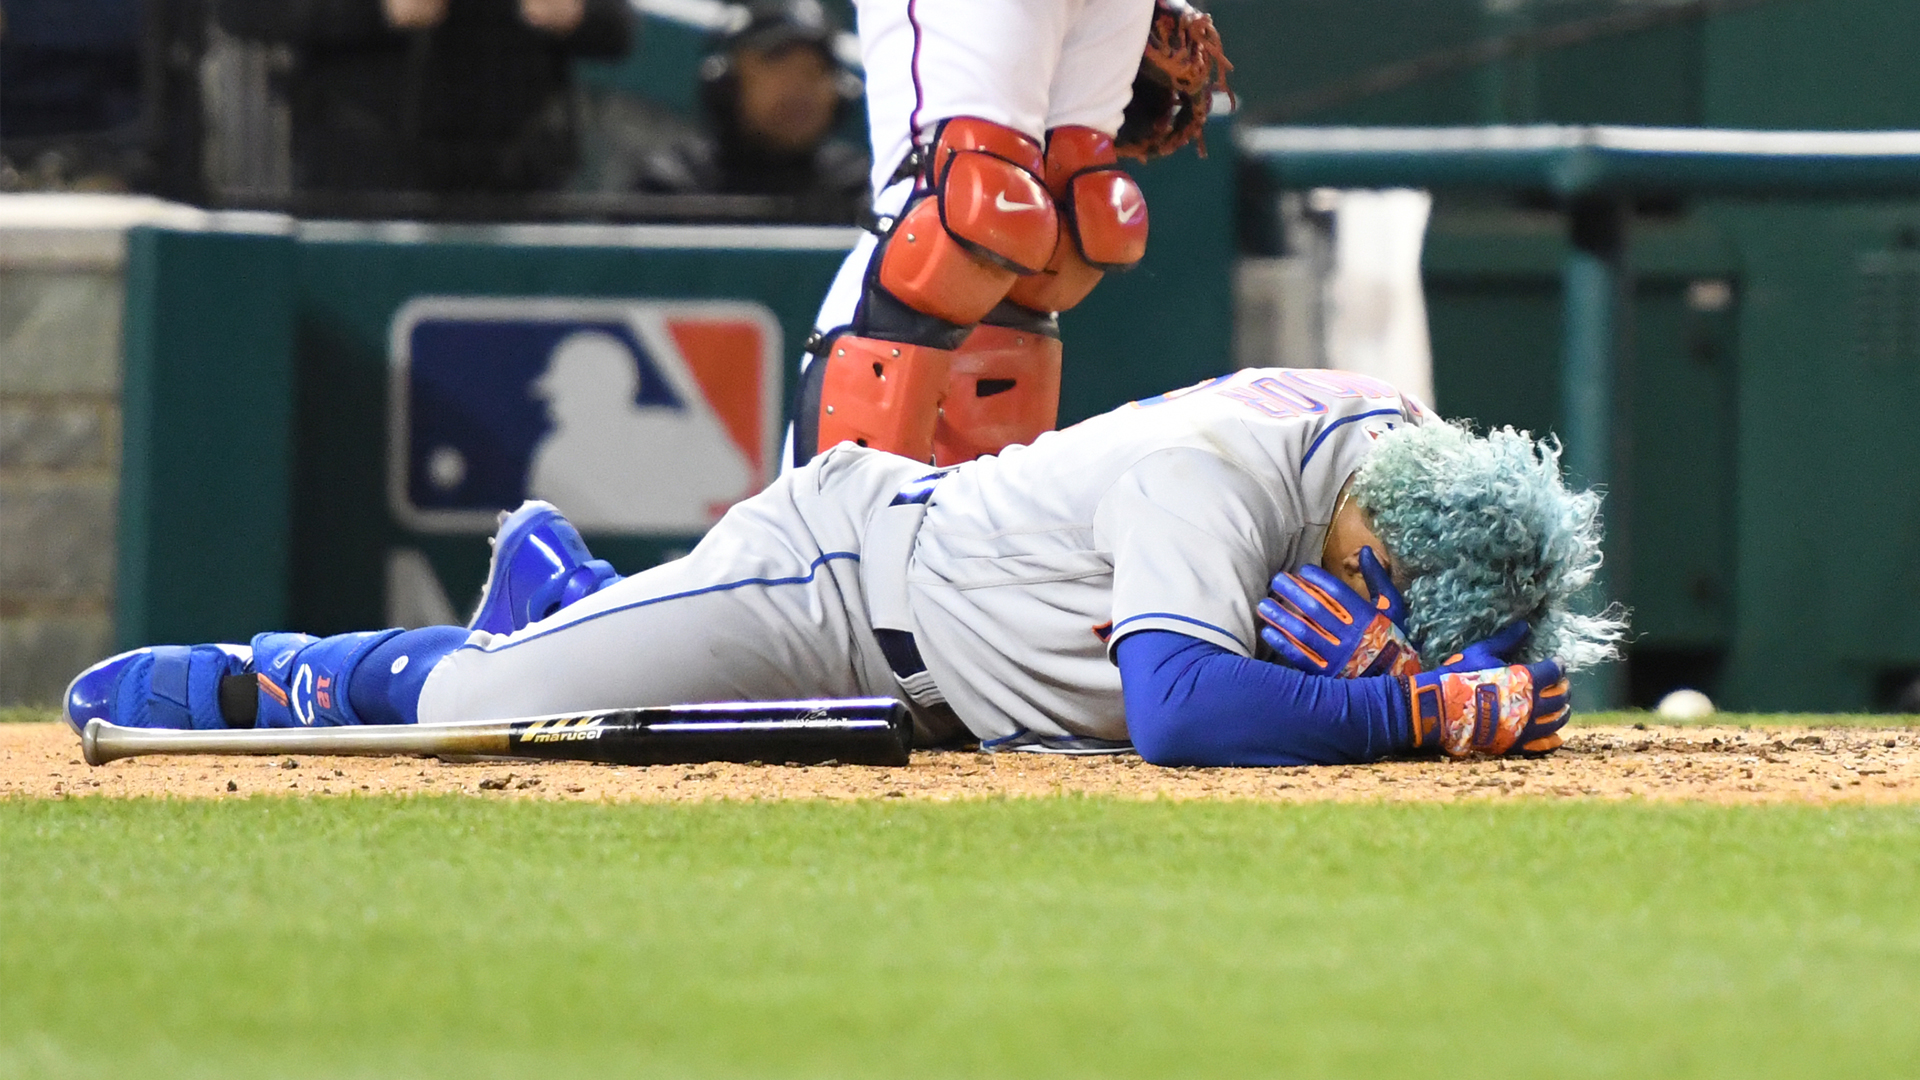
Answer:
[(1482, 530)]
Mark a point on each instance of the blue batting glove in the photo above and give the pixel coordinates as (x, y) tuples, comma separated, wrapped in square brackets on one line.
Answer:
[(1497, 651), (1316, 623)]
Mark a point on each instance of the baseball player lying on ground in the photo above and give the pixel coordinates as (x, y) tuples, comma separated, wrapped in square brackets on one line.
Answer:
[(1110, 585)]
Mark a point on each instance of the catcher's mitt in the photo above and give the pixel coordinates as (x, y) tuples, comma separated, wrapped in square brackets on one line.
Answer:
[(1184, 63)]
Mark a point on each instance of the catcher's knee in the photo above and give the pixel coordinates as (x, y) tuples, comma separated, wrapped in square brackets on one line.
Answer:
[(882, 394), (985, 219), (1103, 216), (1004, 388)]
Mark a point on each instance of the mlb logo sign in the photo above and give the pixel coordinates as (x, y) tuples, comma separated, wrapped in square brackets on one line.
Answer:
[(632, 416)]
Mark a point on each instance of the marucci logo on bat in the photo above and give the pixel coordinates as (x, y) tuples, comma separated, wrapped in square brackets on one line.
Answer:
[(570, 729)]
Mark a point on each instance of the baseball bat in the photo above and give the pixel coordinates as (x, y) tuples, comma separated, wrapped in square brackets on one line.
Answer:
[(856, 731)]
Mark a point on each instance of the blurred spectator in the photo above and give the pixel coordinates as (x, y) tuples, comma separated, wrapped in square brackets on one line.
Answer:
[(70, 76), (773, 94), (433, 95)]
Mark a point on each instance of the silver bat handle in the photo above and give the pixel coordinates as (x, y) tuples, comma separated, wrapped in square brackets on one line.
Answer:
[(102, 742)]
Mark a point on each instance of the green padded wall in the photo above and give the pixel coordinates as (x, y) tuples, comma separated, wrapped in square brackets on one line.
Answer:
[(1780, 64), (207, 446), (1828, 514)]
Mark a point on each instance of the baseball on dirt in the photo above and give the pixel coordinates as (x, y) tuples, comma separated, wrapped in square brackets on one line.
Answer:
[(1685, 704)]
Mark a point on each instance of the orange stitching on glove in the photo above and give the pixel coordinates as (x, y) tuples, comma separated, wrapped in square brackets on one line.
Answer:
[(1334, 607)]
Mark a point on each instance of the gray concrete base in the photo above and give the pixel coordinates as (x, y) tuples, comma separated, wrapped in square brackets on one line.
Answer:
[(62, 260)]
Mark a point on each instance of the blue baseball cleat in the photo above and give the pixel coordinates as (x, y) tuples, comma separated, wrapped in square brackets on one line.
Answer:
[(540, 565), (164, 686)]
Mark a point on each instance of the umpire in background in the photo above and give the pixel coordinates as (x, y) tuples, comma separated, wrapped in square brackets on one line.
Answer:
[(445, 96), (773, 93)]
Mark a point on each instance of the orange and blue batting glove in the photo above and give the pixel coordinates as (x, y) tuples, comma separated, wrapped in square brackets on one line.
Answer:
[(1316, 623), (1519, 708)]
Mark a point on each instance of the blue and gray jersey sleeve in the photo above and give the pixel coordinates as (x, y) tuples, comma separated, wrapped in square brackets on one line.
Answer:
[(1191, 702)]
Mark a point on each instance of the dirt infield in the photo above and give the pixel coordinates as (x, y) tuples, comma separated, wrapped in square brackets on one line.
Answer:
[(1709, 764)]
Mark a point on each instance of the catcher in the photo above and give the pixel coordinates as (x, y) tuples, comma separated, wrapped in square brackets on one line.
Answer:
[(1100, 588), (998, 202)]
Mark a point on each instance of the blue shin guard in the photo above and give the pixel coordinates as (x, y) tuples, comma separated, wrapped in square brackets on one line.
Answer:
[(387, 683), (303, 679), (281, 680), (366, 678)]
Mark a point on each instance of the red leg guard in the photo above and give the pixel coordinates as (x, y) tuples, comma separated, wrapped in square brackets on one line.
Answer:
[(986, 219), (883, 394), (925, 269), (1103, 218), (1005, 389), (1065, 282)]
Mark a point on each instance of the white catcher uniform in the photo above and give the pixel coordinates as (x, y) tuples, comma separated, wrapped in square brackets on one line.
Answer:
[(1033, 65), (1016, 574)]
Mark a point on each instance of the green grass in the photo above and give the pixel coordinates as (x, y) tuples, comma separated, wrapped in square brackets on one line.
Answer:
[(1042, 938), (28, 714)]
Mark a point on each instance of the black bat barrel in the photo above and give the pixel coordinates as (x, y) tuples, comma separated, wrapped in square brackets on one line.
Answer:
[(862, 731)]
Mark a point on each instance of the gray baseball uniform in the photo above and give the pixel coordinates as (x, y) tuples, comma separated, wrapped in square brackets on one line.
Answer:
[(1014, 574)]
